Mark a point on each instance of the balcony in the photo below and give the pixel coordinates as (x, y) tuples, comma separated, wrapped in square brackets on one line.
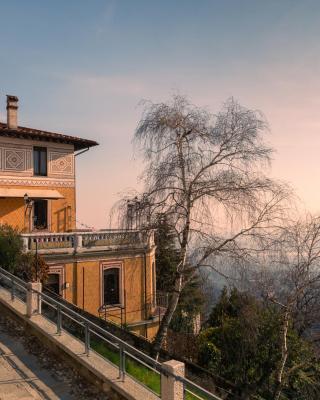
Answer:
[(155, 306), (87, 242)]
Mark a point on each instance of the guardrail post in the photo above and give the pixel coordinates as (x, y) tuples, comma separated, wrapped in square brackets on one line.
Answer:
[(122, 363), (33, 298), (12, 290), (86, 338), (172, 388), (59, 320)]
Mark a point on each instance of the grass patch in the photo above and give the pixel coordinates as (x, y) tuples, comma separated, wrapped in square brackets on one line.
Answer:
[(196, 395), (108, 352), (139, 372), (142, 374), (149, 378)]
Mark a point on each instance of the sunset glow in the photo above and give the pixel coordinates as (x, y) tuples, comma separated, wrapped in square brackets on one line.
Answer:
[(81, 68)]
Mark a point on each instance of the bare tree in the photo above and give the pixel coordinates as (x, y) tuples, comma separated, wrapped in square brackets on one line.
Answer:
[(205, 173)]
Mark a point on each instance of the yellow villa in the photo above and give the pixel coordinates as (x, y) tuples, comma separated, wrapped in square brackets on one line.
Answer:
[(109, 273)]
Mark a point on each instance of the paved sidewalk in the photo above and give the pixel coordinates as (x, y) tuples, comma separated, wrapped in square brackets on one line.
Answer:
[(21, 376)]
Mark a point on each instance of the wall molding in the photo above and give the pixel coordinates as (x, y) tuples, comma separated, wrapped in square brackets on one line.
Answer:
[(30, 181)]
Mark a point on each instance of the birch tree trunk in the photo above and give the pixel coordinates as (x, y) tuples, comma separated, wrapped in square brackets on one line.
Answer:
[(164, 326), (284, 356)]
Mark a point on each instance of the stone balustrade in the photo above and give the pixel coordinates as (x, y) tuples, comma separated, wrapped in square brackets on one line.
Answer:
[(79, 242)]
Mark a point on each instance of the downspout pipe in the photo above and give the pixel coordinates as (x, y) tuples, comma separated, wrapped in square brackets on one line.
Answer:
[(145, 290), (81, 152)]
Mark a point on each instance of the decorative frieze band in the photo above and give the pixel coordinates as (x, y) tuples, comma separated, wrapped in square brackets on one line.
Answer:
[(36, 182)]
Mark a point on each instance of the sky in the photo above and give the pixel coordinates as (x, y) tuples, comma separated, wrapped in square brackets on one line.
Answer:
[(82, 67)]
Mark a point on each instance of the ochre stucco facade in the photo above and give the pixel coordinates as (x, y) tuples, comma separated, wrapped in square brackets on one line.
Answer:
[(61, 212), (82, 284)]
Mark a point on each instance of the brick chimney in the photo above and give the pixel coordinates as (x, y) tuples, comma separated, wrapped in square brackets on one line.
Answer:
[(12, 112)]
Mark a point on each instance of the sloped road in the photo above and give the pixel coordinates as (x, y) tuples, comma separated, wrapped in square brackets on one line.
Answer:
[(30, 371), (21, 376)]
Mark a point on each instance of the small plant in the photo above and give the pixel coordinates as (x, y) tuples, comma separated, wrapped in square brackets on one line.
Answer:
[(32, 268)]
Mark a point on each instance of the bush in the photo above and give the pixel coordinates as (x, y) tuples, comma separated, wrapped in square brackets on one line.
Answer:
[(31, 268), (27, 266), (10, 248)]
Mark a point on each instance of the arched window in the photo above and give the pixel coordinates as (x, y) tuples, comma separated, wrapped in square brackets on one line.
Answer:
[(111, 286)]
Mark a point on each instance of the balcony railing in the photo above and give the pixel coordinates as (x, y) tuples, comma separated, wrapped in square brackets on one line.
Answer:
[(81, 242)]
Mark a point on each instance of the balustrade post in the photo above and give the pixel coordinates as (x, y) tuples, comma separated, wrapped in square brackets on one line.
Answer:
[(25, 244), (33, 298), (151, 240), (140, 236), (171, 388), (78, 242)]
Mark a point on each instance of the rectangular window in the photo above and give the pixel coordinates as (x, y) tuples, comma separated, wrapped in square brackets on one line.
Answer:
[(40, 214), (40, 161), (111, 286)]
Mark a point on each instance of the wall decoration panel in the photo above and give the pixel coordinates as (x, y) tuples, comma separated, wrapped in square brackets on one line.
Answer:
[(14, 159), (61, 163)]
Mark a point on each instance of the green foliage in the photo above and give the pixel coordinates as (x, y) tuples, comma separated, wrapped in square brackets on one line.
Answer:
[(27, 266), (31, 268), (242, 344), (167, 258), (190, 304), (10, 247)]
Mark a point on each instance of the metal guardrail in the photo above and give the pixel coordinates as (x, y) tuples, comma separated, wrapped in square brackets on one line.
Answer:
[(123, 351)]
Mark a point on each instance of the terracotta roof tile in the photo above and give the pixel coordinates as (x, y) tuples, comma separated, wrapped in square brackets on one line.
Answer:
[(36, 134)]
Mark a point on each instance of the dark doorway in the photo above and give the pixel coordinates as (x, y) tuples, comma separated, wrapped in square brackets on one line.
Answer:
[(40, 214), (53, 283), (111, 286)]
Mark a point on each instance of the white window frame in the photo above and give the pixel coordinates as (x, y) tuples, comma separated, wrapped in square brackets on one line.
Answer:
[(111, 265), (59, 270)]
